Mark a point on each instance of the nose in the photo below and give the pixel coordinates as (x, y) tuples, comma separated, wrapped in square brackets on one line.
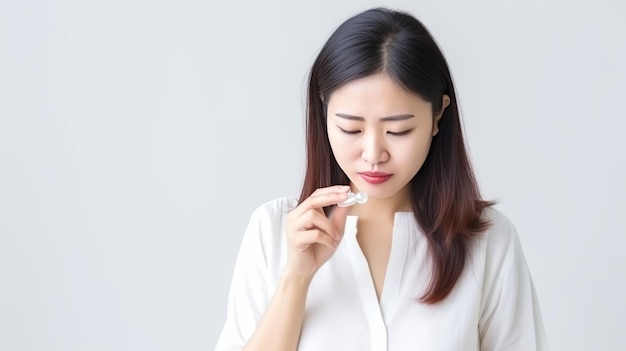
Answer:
[(374, 149)]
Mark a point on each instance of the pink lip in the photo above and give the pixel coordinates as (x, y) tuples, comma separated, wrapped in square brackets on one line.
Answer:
[(375, 177)]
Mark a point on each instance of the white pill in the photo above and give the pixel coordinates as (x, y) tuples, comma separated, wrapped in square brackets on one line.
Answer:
[(353, 198), (361, 197)]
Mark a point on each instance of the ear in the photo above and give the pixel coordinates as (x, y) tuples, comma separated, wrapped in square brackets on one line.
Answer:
[(445, 102)]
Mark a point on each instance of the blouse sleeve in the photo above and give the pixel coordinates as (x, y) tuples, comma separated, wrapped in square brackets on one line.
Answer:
[(248, 294), (510, 316)]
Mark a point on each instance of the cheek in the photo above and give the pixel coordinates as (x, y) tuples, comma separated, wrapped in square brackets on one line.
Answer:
[(346, 155), (344, 151), (333, 140), (337, 145), (415, 151)]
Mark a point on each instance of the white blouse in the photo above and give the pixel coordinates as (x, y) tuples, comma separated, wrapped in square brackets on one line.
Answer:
[(493, 305)]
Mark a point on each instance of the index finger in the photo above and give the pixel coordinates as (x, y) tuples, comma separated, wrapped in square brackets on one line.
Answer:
[(330, 189), (318, 201)]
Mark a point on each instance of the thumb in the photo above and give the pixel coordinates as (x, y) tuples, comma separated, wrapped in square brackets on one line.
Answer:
[(339, 218)]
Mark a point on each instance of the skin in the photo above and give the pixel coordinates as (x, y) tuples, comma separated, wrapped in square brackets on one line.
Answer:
[(369, 145), (373, 144)]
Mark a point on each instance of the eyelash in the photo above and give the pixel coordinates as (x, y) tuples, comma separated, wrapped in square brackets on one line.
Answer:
[(350, 132), (354, 132), (405, 132)]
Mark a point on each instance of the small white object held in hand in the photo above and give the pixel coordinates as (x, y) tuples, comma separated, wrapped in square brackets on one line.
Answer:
[(353, 198)]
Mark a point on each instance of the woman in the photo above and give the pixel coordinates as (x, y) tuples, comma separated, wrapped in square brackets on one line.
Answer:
[(425, 263)]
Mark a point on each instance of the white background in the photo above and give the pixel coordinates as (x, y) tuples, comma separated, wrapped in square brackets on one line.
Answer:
[(136, 137)]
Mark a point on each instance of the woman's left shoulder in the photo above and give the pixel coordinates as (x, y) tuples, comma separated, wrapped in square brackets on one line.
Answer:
[(501, 235)]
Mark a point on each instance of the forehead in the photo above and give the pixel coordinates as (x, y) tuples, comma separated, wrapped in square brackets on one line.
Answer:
[(376, 94)]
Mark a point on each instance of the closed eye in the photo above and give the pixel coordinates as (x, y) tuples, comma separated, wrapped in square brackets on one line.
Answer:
[(405, 132), (349, 132)]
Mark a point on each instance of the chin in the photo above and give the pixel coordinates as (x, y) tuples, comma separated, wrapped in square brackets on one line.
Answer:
[(377, 191)]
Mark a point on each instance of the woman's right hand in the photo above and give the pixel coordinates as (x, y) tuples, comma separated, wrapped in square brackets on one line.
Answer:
[(312, 237)]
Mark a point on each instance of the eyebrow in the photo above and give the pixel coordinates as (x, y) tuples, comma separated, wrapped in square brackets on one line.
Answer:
[(388, 118)]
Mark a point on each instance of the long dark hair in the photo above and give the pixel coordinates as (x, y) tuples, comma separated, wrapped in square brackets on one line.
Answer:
[(445, 201)]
